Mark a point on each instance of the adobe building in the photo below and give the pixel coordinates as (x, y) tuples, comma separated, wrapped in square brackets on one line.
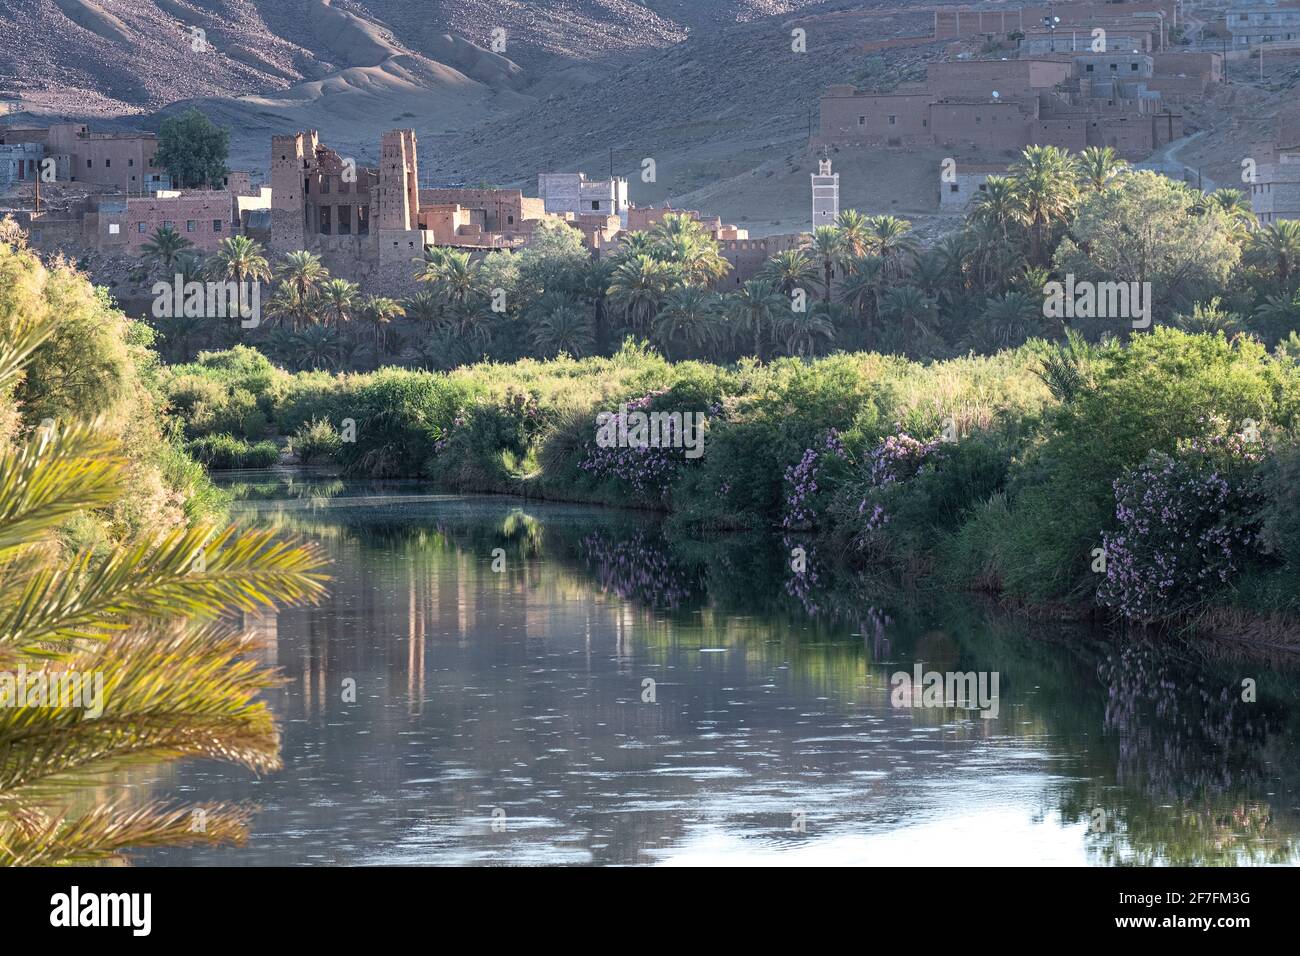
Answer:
[(122, 162), (20, 162), (1183, 75), (371, 222), (1275, 194), (644, 218), (360, 220), (973, 23), (485, 218), (599, 233), (1138, 34), (998, 107), (204, 217), (748, 257)]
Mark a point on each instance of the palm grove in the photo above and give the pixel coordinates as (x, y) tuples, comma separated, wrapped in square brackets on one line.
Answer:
[(864, 283)]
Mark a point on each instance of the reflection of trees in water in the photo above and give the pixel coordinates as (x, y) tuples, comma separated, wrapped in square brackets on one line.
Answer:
[(1180, 732), (640, 568), (1193, 766)]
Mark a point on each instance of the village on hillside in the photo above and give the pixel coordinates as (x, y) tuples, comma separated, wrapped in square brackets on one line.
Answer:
[(1068, 74)]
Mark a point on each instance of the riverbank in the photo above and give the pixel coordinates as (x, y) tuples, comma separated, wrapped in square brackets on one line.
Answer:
[(1150, 482)]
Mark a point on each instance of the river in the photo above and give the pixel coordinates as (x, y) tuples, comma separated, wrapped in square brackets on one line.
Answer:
[(493, 681)]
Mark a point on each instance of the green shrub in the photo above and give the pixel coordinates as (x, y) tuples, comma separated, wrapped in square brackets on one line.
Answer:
[(315, 443), (227, 451), (400, 415)]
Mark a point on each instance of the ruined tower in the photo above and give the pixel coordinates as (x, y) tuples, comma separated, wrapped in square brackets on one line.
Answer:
[(399, 184), (291, 161)]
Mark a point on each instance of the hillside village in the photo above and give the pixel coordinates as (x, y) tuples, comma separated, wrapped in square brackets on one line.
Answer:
[(1072, 74)]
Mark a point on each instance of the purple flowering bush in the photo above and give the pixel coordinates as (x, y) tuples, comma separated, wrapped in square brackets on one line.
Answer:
[(810, 481), (1185, 524), (908, 494), (890, 465), (649, 471)]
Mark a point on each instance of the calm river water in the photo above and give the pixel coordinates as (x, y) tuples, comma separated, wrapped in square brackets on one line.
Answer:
[(610, 693)]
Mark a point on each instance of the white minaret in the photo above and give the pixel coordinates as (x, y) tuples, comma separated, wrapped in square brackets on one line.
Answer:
[(825, 195)]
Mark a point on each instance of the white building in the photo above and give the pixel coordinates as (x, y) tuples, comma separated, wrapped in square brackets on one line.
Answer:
[(966, 181), (1275, 193), (1256, 22), (573, 193)]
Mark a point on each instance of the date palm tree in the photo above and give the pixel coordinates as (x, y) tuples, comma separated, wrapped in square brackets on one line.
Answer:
[(595, 291), (1276, 316), (1276, 248), (1098, 165), (431, 262), (1046, 189), (565, 328), (240, 260), (862, 287), (180, 331), (458, 279), (789, 270), (1236, 209), (164, 247), (317, 348), (424, 307), (682, 241), (190, 267), (803, 331), (910, 311), (997, 205), (637, 287), (149, 619), (1007, 322), (380, 311), (890, 238), (303, 272), (826, 249), (754, 310), (287, 304), (339, 298), (689, 318), (855, 233)]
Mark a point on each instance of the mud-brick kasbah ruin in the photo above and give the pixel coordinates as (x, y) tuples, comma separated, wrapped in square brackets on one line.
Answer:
[(1044, 78)]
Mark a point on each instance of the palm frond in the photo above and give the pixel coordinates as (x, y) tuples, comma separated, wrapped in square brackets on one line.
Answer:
[(53, 476), (162, 694), (33, 838), (195, 572)]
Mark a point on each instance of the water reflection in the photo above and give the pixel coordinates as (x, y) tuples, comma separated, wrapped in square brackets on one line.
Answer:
[(500, 716)]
